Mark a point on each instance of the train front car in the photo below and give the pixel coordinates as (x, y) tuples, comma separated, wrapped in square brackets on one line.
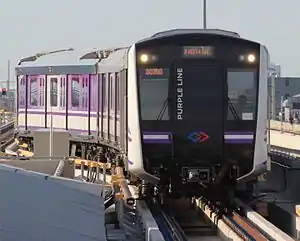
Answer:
[(197, 102)]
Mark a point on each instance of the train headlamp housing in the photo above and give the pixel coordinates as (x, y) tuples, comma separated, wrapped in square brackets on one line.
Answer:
[(251, 58), (145, 58), (248, 58)]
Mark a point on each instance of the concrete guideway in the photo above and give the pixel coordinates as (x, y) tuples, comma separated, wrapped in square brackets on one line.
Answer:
[(37, 206)]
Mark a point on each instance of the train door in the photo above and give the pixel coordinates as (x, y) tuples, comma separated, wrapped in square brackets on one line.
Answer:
[(21, 102), (84, 103), (34, 104), (53, 82)]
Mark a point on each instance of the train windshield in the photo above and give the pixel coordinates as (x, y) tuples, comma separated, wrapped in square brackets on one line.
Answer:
[(218, 81), (154, 92), (198, 92), (242, 91)]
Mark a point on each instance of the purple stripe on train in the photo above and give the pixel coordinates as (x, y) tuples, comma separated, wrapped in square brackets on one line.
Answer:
[(112, 117), (83, 91), (157, 137), (236, 137)]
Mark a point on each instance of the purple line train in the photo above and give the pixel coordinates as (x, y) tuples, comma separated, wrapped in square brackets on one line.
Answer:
[(181, 110)]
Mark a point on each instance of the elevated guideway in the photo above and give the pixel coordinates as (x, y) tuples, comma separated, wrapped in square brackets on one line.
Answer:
[(37, 206)]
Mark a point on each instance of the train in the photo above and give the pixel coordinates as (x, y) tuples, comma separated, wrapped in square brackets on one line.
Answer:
[(181, 110)]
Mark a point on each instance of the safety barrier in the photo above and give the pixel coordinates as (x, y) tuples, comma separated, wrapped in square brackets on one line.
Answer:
[(265, 225), (21, 150)]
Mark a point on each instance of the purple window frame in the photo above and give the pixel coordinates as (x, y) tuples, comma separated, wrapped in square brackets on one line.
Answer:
[(22, 92), (94, 92), (118, 92), (62, 95), (100, 86), (105, 79), (29, 81), (70, 81), (83, 92), (41, 90), (112, 92)]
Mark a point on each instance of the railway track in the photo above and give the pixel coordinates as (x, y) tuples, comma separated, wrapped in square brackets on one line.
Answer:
[(179, 220)]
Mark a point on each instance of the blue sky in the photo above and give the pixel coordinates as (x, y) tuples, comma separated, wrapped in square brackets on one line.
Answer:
[(33, 26)]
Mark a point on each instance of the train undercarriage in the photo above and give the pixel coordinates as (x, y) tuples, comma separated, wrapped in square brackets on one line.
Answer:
[(222, 191)]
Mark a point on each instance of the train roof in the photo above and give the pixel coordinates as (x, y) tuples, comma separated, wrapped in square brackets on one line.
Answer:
[(176, 32), (173, 32), (69, 61), (115, 62)]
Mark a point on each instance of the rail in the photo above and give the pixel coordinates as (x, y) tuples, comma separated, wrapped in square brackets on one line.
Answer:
[(158, 223)]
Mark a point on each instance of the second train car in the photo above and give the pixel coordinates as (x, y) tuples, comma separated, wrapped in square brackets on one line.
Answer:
[(188, 109)]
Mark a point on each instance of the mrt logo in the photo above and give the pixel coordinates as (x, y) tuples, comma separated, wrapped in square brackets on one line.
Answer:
[(198, 137)]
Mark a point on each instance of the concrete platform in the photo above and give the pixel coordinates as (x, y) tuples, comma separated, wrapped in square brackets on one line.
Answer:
[(286, 140), (34, 206)]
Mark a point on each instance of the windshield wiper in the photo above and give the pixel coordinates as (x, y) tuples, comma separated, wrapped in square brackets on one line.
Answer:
[(163, 109), (232, 109)]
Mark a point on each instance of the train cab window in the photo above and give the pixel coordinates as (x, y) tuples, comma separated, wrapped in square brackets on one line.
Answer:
[(33, 91), (153, 97), (242, 94), (75, 91), (53, 91)]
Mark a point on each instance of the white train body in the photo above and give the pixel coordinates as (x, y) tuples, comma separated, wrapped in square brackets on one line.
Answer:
[(100, 99)]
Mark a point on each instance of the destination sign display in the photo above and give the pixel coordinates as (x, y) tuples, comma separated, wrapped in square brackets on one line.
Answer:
[(154, 73), (198, 51)]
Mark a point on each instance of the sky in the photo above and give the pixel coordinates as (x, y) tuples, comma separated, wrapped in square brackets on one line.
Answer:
[(33, 26)]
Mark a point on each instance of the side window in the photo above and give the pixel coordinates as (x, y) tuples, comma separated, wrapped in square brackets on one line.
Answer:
[(33, 91), (42, 92), (22, 90), (53, 91), (63, 92), (75, 88), (112, 92), (287, 82), (94, 91), (104, 91), (118, 92), (100, 88), (85, 93)]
